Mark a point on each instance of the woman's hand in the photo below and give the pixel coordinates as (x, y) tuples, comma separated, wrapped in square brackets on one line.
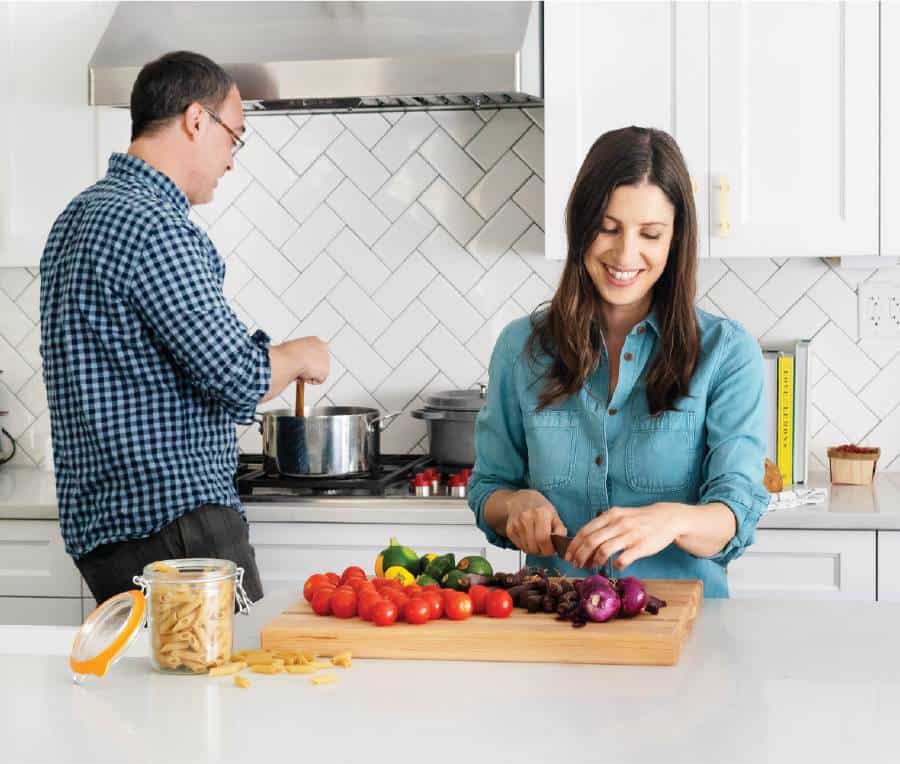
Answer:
[(530, 520), (636, 532)]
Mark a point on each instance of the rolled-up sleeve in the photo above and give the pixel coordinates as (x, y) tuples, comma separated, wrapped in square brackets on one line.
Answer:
[(736, 439), (178, 294), (501, 459)]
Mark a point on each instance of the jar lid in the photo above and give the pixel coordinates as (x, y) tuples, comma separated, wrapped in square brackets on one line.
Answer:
[(458, 400), (106, 634)]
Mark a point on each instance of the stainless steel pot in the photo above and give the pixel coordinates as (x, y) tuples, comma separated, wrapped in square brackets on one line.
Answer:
[(450, 417), (327, 441)]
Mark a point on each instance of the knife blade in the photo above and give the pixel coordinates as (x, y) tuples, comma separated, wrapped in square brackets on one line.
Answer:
[(560, 544)]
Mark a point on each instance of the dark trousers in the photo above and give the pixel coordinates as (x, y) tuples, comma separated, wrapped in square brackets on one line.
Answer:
[(210, 531)]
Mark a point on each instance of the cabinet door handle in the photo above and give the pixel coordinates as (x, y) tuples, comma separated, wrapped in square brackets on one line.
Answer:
[(724, 225)]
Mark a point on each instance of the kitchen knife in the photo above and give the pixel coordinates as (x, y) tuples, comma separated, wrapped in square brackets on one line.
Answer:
[(560, 544)]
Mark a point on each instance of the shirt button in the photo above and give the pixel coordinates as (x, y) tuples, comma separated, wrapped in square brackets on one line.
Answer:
[(613, 411), (640, 329), (599, 460), (628, 356)]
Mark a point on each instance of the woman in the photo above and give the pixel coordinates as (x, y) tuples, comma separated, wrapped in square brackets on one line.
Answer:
[(622, 415)]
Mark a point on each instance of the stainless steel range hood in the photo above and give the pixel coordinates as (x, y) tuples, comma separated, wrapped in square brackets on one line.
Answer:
[(336, 56)]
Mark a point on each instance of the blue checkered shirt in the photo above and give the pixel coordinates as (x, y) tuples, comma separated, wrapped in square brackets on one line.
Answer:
[(146, 366)]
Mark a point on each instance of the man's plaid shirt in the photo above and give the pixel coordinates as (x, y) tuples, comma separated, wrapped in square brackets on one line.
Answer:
[(147, 368)]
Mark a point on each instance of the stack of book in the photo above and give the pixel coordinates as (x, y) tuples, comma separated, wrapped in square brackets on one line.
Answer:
[(787, 391)]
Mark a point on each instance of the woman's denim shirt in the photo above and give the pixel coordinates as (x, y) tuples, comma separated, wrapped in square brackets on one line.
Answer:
[(586, 455)]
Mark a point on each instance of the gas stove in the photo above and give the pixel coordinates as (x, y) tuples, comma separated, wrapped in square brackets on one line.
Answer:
[(395, 475)]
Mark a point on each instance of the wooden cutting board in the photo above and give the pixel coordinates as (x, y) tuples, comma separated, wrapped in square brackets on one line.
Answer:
[(523, 637)]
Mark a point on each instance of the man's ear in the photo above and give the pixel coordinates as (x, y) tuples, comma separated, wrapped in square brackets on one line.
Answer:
[(193, 120)]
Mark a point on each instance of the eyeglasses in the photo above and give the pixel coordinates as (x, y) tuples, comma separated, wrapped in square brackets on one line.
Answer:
[(237, 143)]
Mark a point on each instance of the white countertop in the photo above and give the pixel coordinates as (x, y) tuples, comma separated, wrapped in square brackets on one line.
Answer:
[(761, 682), (30, 494)]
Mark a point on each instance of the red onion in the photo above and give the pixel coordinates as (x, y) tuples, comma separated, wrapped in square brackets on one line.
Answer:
[(596, 581), (600, 604), (633, 596)]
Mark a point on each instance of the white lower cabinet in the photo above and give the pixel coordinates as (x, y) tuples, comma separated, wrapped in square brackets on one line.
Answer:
[(889, 566), (795, 564), (40, 611), (33, 561), (288, 553)]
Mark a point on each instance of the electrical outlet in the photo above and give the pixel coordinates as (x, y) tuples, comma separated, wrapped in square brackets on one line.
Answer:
[(879, 310)]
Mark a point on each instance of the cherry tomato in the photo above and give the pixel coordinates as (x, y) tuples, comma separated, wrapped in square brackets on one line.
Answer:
[(458, 606), (312, 583), (334, 578), (384, 613), (354, 571), (417, 611), (343, 603), (479, 594), (431, 588), (499, 604), (356, 584), (398, 598), (435, 603), (379, 583), (412, 590), (321, 601), (366, 603)]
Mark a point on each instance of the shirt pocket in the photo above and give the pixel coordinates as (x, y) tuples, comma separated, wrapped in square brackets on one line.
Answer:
[(661, 452), (551, 440)]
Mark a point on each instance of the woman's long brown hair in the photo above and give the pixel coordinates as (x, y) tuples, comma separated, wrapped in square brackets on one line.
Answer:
[(568, 332)]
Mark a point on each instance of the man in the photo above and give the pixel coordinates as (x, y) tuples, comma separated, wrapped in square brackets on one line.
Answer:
[(147, 368)]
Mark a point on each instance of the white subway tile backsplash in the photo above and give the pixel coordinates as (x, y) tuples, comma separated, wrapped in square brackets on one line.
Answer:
[(404, 138), (531, 199), (315, 283), (405, 333), (358, 261), (319, 230), (404, 187), (451, 211), (504, 179), (499, 284), (499, 233), (266, 214), (404, 285), (404, 235), (451, 308), (408, 310), (368, 128), (453, 164), (264, 163), (268, 312), (461, 125), (445, 254), (311, 140), (357, 162), (229, 231), (358, 212), (497, 136), (358, 309), (275, 129), (312, 189)]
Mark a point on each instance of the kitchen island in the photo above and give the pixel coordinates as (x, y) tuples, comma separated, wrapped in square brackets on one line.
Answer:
[(757, 682)]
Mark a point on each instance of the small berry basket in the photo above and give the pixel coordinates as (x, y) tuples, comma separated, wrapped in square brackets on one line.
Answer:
[(853, 465)]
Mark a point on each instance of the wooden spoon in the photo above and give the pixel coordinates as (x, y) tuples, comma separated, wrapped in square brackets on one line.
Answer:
[(298, 401)]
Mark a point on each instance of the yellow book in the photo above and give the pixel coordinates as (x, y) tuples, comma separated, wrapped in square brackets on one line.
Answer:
[(785, 443)]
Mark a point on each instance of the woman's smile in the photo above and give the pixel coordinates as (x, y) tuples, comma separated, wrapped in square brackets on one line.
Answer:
[(620, 277)]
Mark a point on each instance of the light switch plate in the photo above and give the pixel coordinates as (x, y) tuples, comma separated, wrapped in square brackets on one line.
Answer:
[(879, 310)]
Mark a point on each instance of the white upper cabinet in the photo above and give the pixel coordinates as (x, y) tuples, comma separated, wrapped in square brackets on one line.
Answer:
[(614, 64), (793, 129), (890, 128), (775, 107), (46, 127)]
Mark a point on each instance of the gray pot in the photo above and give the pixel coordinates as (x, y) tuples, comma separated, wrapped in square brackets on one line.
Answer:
[(327, 441), (450, 417)]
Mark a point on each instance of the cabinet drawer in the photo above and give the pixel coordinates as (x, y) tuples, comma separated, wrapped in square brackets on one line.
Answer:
[(33, 561), (287, 553), (889, 566), (786, 564), (40, 611)]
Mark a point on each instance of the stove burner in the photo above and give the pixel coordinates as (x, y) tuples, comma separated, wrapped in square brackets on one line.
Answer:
[(391, 477)]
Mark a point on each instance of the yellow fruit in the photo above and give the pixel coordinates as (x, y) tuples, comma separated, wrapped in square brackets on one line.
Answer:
[(400, 574)]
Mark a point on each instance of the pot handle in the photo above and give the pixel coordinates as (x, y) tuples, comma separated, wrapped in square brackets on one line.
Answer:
[(429, 415), (385, 421)]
